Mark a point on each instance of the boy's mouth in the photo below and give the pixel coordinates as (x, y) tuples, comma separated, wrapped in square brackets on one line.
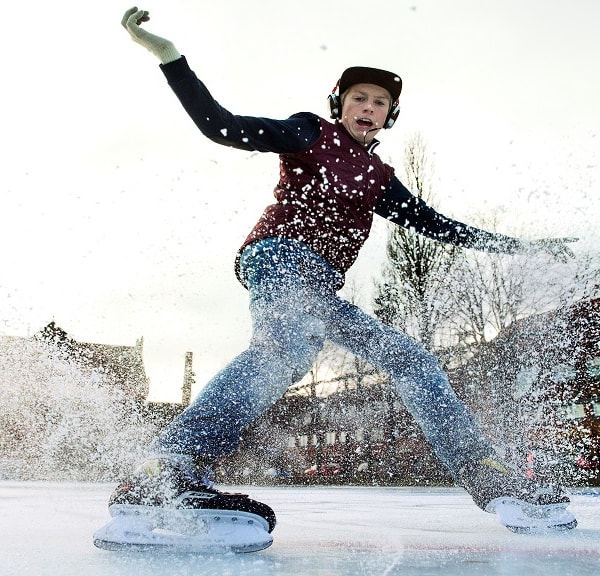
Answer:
[(364, 122)]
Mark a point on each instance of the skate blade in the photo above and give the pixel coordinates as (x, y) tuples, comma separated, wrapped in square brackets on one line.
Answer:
[(524, 518), (196, 531)]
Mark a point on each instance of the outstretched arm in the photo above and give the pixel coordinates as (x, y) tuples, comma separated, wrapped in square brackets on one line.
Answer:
[(293, 134), (215, 122), (162, 48), (402, 207)]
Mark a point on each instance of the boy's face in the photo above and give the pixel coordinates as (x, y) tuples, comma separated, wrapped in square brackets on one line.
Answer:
[(364, 110)]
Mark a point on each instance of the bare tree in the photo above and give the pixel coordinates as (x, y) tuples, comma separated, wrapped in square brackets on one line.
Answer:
[(412, 294), (489, 292), (454, 300)]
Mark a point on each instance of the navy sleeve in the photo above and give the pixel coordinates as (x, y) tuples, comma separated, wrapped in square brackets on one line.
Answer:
[(294, 134), (402, 207)]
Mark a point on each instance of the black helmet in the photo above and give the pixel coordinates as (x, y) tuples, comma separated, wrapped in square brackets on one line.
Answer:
[(362, 75)]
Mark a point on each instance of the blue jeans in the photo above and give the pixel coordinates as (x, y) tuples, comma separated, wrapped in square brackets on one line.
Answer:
[(294, 309)]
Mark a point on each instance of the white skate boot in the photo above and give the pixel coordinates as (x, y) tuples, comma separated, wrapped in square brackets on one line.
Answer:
[(166, 504), (521, 504)]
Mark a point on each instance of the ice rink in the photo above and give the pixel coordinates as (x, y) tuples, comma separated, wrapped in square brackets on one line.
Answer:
[(46, 529)]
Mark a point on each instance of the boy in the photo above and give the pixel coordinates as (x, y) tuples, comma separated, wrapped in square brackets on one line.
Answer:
[(292, 263)]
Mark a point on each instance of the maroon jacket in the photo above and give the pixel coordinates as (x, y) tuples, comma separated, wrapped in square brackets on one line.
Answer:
[(326, 196)]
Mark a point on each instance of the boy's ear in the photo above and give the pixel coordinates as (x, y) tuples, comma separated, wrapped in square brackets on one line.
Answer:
[(335, 106), (392, 115)]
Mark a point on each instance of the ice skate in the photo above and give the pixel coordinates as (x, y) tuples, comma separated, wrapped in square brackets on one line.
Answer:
[(521, 504), (166, 504)]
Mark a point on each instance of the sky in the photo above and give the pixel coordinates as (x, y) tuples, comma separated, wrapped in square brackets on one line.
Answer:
[(119, 220)]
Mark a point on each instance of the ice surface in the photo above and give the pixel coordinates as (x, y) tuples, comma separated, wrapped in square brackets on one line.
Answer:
[(46, 529)]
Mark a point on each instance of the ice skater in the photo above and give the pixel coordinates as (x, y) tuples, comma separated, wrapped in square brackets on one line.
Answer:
[(331, 183)]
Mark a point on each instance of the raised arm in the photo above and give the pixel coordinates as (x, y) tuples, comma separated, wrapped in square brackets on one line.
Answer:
[(216, 122), (402, 207)]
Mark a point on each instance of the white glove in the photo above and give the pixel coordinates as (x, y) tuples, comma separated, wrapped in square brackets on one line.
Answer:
[(163, 49), (556, 247)]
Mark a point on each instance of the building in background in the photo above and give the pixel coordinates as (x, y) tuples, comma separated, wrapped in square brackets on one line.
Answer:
[(123, 366), (535, 390)]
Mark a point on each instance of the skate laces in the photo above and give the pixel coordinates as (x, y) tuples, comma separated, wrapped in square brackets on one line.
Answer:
[(473, 471), (495, 465), (153, 468), (194, 472), (490, 478), (200, 474)]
